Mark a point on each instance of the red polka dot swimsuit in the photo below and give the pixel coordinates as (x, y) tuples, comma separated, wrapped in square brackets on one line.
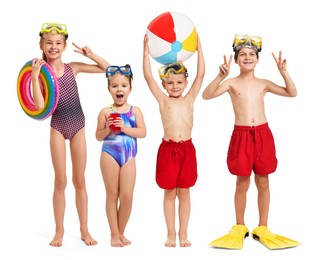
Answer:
[(68, 117)]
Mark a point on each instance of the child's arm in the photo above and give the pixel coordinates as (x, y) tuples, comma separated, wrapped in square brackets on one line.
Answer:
[(36, 90), (216, 87), (99, 67), (290, 89), (153, 86), (102, 129), (200, 71), (140, 130)]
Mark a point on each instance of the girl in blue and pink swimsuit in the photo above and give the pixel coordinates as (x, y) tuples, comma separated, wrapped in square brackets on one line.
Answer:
[(119, 150)]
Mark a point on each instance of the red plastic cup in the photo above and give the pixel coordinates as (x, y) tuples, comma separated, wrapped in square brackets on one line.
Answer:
[(112, 127)]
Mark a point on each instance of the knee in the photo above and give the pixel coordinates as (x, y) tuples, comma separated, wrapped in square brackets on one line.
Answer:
[(126, 198), (242, 185), (170, 194), (183, 194), (262, 183), (60, 184), (79, 182), (112, 196)]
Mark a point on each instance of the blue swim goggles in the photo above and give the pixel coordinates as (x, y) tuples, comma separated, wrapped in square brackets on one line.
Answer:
[(124, 70)]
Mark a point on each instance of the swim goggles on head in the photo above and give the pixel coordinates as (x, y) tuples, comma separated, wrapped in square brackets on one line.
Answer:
[(49, 27), (124, 70), (176, 68), (244, 40)]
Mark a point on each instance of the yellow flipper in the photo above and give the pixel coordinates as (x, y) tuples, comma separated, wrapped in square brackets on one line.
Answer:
[(271, 240), (233, 240)]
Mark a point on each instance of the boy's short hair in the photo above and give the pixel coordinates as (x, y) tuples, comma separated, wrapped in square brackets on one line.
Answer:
[(245, 40), (237, 52)]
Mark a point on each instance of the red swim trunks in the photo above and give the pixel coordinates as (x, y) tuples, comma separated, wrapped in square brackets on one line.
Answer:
[(176, 165), (252, 149)]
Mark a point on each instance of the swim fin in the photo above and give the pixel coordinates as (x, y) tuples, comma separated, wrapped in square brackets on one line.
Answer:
[(271, 240), (234, 239)]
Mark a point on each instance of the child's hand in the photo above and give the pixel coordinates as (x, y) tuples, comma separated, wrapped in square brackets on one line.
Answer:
[(224, 68), (118, 122), (115, 123), (36, 67), (281, 63), (86, 51)]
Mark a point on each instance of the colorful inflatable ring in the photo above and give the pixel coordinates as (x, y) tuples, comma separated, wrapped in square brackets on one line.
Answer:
[(50, 87)]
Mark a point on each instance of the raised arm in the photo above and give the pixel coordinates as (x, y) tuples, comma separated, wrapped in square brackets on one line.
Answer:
[(99, 67), (289, 90), (200, 71), (216, 88), (153, 86)]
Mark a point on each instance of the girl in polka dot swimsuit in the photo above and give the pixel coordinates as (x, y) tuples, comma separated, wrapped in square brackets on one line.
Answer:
[(67, 123)]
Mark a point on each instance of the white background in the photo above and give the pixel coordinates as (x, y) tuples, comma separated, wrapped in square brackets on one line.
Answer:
[(115, 30)]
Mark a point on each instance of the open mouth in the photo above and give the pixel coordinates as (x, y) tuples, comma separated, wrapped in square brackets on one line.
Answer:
[(119, 96)]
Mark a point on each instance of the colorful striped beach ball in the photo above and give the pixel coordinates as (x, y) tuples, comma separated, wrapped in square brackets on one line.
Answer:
[(172, 37)]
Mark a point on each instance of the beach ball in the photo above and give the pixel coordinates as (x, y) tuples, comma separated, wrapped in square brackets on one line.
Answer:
[(172, 37)]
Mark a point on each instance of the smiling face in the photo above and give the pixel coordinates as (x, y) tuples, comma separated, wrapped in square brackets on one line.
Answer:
[(119, 88), (52, 44), (175, 84), (247, 58)]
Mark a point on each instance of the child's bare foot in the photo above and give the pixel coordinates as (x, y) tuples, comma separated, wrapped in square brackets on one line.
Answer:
[(57, 240), (171, 241), (125, 241), (184, 243), (183, 240), (88, 240), (116, 241)]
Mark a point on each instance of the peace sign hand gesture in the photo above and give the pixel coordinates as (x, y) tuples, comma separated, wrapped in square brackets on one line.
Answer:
[(224, 68), (281, 63)]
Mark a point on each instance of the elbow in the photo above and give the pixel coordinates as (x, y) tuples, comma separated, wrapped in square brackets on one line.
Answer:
[(39, 105), (98, 137), (204, 96), (293, 94), (143, 133)]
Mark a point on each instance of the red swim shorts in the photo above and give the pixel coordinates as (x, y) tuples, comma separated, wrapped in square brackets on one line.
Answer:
[(176, 165), (252, 149)]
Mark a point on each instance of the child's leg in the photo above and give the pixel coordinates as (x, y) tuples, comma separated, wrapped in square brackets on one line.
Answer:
[(111, 174), (78, 156), (169, 212), (58, 155), (262, 183), (127, 183), (242, 186), (184, 213)]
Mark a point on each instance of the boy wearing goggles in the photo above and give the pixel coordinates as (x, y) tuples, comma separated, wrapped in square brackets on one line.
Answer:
[(118, 127), (252, 147), (176, 167), (67, 123)]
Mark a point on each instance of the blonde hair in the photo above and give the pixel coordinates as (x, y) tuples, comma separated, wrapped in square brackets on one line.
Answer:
[(42, 36)]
